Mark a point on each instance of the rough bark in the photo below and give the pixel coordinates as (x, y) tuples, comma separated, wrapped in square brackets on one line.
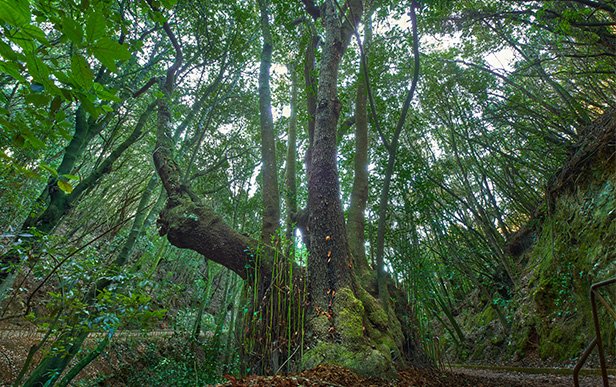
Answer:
[(269, 173)]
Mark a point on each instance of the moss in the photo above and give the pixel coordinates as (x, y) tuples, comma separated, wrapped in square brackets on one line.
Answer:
[(348, 318), (367, 362)]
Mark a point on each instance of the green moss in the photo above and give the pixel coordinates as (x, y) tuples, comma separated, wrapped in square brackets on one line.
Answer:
[(367, 362), (348, 318)]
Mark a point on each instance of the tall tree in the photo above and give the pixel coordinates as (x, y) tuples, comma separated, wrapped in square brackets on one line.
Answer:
[(269, 172)]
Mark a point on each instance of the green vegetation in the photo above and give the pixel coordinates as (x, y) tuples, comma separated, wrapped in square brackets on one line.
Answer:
[(285, 184)]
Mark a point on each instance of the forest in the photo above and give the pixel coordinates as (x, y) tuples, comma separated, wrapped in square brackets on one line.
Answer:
[(202, 192)]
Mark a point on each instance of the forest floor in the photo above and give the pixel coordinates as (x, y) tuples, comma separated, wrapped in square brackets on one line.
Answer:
[(14, 349), (328, 376)]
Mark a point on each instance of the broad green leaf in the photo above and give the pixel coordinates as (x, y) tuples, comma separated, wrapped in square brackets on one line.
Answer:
[(19, 140), (169, 3), (82, 73), (55, 105), (107, 95), (64, 186), (107, 108), (47, 168), (72, 30), (88, 105), (22, 39), (4, 111), (60, 116), (36, 33), (95, 27), (108, 51), (36, 68), (72, 177), (10, 68), (15, 12), (7, 52), (64, 133), (34, 141)]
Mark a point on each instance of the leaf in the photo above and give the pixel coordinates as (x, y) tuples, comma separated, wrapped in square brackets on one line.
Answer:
[(108, 51), (64, 186), (11, 69), (7, 52), (55, 105), (72, 30), (15, 12), (36, 68), (47, 168), (71, 177), (88, 105), (95, 27), (19, 140), (36, 33), (60, 116), (22, 39), (82, 73)]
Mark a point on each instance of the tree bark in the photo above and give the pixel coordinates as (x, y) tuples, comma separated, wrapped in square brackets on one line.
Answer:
[(359, 193), (269, 173), (291, 195)]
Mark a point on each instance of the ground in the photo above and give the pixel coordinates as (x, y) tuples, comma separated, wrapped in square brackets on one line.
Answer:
[(13, 348), (329, 376)]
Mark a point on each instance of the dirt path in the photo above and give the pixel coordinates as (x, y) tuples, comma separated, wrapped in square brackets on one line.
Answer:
[(511, 378)]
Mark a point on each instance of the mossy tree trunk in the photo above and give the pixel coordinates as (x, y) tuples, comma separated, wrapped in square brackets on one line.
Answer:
[(345, 324)]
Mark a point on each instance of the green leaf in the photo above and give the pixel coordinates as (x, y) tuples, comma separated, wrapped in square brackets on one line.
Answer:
[(108, 51), (19, 140), (72, 177), (88, 105), (22, 39), (34, 141), (15, 12), (47, 168), (82, 73), (60, 116), (72, 30), (7, 52), (55, 105), (36, 68), (64, 186), (107, 108), (36, 33), (95, 27), (11, 68)]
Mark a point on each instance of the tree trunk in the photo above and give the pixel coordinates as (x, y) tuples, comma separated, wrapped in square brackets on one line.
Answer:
[(291, 194), (269, 172), (359, 194)]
